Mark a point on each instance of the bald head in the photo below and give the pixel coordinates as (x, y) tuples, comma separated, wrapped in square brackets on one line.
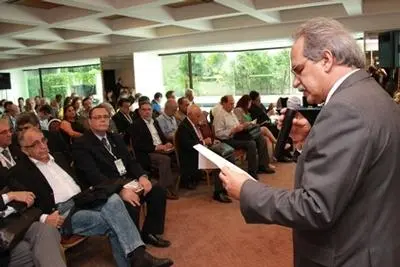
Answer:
[(170, 107), (5, 133), (195, 114)]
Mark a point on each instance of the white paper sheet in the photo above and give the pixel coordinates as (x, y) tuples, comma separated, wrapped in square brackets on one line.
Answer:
[(211, 160)]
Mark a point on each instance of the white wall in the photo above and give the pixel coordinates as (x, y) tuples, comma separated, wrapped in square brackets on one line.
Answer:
[(148, 74), (123, 68), (18, 88)]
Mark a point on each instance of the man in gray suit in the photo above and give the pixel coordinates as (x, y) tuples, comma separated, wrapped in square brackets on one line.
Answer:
[(344, 208)]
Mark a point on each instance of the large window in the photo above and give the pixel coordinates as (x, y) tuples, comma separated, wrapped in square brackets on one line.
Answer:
[(66, 80), (176, 72), (237, 73), (32, 82)]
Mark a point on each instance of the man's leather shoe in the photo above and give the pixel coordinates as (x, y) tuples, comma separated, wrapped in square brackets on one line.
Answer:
[(172, 195), (155, 241), (266, 170), (285, 159), (148, 260), (221, 197), (157, 262)]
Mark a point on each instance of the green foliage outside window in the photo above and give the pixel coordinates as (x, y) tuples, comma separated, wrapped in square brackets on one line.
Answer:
[(216, 74), (81, 80)]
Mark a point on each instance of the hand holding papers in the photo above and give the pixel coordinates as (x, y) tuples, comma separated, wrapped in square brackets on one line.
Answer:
[(210, 160)]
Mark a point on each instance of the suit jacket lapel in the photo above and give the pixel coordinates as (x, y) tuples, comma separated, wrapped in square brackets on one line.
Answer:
[(97, 143), (192, 131)]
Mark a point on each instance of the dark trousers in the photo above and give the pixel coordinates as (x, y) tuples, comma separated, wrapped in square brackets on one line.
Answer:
[(155, 215), (253, 149)]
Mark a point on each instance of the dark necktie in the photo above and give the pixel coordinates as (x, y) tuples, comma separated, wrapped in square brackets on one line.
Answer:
[(7, 155), (106, 144)]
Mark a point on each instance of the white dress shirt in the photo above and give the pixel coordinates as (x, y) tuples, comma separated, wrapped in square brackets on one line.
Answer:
[(224, 122), (153, 131), (62, 184), (337, 84), (9, 210)]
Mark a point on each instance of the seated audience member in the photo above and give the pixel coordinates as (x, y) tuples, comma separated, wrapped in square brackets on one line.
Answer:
[(167, 120), (21, 104), (123, 118), (189, 94), (101, 156), (54, 108), (44, 114), (188, 135), (40, 245), (242, 113), (11, 112), (170, 94), (55, 141), (227, 125), (183, 104), (51, 181), (30, 105), (135, 103), (152, 148), (136, 113), (70, 126), (112, 128), (84, 113), (156, 104), (77, 104), (9, 152)]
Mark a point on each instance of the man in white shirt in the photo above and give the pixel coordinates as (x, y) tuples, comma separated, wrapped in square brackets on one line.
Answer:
[(226, 126), (52, 182)]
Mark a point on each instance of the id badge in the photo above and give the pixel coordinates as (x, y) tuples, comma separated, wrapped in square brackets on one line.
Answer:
[(120, 166)]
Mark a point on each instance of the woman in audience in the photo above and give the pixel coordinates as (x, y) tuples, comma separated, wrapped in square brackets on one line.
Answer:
[(242, 113), (70, 127), (77, 104)]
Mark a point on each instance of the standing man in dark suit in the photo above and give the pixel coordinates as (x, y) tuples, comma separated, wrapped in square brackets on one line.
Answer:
[(123, 118), (101, 156), (344, 208), (152, 148), (187, 136)]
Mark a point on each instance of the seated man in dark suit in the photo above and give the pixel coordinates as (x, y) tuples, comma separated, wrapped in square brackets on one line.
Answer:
[(51, 179), (101, 156), (55, 141), (188, 135), (40, 245), (152, 148), (123, 118), (9, 152)]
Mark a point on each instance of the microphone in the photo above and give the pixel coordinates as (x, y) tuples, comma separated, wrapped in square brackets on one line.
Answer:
[(293, 104)]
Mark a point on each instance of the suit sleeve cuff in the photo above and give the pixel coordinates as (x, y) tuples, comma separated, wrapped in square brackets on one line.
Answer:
[(43, 218), (6, 199)]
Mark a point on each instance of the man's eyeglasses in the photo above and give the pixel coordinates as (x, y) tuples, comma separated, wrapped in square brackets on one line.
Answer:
[(36, 143), (99, 117), (298, 69)]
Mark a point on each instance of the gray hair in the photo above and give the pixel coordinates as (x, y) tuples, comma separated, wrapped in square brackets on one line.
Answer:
[(328, 34), (21, 135)]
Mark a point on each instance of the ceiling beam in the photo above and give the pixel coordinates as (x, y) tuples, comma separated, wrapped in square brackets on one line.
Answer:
[(353, 7)]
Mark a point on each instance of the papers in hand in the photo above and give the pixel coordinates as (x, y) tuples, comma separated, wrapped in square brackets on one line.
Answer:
[(210, 160), (134, 184)]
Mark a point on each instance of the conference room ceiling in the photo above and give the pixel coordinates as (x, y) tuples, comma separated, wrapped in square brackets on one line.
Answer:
[(37, 28)]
